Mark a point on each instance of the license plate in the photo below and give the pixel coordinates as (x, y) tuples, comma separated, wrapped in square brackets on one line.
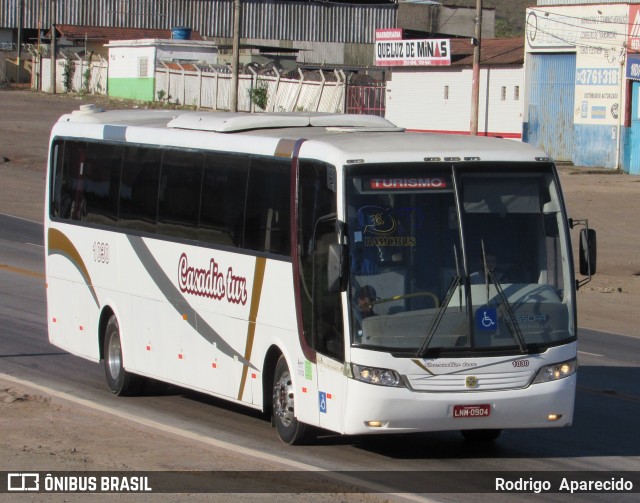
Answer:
[(470, 411)]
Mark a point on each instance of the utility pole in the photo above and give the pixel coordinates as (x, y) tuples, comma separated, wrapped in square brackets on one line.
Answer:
[(53, 47), (235, 64), (475, 84), (20, 24)]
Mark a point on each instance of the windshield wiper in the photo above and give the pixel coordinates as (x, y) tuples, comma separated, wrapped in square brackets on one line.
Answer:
[(435, 323), (455, 282), (511, 323)]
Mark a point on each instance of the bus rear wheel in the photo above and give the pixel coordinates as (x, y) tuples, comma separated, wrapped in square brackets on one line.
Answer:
[(290, 430), (119, 381), (480, 435)]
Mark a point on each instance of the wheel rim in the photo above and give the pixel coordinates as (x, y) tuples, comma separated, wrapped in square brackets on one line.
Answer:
[(283, 399), (114, 357)]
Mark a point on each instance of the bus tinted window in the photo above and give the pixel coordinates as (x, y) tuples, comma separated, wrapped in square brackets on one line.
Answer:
[(267, 210), (101, 183), (172, 192), (57, 161), (71, 203), (179, 199), (224, 187), (139, 188)]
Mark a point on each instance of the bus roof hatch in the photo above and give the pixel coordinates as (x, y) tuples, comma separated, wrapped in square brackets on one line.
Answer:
[(227, 122)]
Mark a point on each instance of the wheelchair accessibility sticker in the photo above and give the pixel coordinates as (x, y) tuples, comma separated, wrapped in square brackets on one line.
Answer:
[(323, 402), (487, 318)]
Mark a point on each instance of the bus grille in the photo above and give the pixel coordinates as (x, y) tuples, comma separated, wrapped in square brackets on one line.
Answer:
[(459, 382)]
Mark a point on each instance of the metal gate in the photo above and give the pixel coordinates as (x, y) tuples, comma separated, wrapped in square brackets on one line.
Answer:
[(551, 90), (366, 100)]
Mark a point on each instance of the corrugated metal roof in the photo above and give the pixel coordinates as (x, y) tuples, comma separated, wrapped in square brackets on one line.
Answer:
[(315, 21), (75, 32), (493, 51)]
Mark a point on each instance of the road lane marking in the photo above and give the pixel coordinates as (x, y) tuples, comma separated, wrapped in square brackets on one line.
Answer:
[(590, 354)]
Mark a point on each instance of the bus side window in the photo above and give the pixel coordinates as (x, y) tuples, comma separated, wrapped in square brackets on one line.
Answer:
[(267, 222), (139, 188), (180, 188), (71, 200), (102, 182), (56, 175), (224, 187)]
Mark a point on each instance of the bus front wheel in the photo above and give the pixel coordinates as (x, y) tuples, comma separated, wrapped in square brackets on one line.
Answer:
[(120, 382), (290, 430)]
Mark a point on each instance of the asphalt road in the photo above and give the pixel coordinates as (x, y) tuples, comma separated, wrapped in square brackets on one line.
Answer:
[(603, 438)]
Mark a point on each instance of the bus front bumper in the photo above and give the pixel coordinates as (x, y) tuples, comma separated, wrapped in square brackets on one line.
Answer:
[(377, 409)]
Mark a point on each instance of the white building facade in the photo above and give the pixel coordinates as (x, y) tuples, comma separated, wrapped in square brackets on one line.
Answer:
[(438, 98)]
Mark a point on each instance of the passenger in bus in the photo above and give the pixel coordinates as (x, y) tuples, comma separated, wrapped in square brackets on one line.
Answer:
[(366, 296)]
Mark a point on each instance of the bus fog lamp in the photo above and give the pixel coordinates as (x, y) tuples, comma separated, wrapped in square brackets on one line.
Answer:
[(374, 375), (554, 417), (555, 372)]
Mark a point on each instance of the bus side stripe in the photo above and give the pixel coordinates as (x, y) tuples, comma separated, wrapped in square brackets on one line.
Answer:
[(59, 244), (180, 304), (256, 294), (285, 148)]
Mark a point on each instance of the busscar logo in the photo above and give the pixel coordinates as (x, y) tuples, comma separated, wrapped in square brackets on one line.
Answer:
[(471, 382), (23, 482)]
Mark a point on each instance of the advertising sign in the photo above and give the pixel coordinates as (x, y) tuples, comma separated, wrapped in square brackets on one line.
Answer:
[(392, 50)]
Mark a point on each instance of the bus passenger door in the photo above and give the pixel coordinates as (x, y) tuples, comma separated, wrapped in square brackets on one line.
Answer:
[(328, 331)]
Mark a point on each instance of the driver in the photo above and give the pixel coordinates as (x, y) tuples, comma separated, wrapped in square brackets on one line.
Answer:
[(481, 276)]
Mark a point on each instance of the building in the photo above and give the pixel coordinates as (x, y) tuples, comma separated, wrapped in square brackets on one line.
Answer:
[(132, 63), (582, 84), (438, 98), (323, 33), (94, 39)]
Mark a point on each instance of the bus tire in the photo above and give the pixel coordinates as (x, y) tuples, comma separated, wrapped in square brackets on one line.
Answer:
[(289, 429), (480, 435), (119, 381)]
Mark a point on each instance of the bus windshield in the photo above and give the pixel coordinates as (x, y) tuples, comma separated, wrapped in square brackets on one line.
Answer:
[(465, 258)]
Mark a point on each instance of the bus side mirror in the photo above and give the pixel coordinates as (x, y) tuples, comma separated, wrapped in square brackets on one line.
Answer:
[(588, 252), (336, 268)]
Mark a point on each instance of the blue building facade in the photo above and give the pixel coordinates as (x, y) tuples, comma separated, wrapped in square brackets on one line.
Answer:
[(580, 90)]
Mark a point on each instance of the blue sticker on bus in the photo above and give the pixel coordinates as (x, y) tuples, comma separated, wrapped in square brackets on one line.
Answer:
[(486, 318), (323, 402)]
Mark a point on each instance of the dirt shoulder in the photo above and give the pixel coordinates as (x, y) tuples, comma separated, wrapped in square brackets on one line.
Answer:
[(42, 433), (611, 202)]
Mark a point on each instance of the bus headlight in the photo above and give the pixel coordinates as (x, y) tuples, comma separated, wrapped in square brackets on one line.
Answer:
[(374, 375), (556, 371)]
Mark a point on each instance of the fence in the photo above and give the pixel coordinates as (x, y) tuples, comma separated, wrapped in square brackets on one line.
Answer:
[(209, 87), (204, 86), (73, 74)]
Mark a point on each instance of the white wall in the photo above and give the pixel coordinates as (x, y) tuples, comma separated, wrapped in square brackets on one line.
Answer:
[(123, 61), (416, 100)]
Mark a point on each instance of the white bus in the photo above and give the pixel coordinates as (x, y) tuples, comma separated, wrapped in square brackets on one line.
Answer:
[(332, 271)]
